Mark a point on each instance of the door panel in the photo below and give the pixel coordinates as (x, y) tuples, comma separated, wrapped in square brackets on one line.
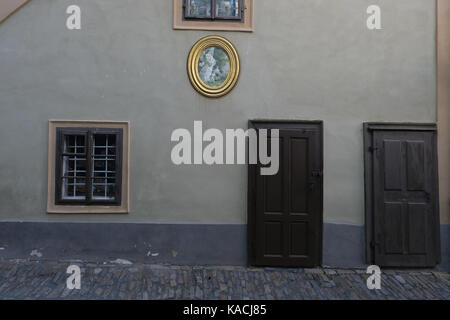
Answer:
[(417, 228), (393, 240), (287, 213), (298, 175), (273, 185), (393, 162), (404, 198), (273, 239), (415, 165)]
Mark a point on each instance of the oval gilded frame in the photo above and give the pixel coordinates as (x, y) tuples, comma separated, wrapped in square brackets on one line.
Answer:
[(192, 66)]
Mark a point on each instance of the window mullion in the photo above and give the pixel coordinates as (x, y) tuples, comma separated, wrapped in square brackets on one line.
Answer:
[(89, 179), (59, 167), (185, 8), (241, 9), (213, 9), (118, 170)]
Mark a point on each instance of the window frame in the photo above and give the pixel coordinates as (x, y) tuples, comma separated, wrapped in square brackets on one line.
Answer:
[(213, 16), (100, 206), (246, 25), (88, 133)]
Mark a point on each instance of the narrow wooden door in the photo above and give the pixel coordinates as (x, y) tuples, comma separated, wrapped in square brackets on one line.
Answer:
[(286, 208), (406, 225)]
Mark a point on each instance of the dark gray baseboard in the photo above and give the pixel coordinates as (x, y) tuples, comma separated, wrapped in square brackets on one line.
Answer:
[(183, 244), (187, 244), (343, 245), (445, 248)]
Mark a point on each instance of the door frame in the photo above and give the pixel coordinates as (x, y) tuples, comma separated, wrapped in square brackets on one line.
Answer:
[(368, 129), (251, 182)]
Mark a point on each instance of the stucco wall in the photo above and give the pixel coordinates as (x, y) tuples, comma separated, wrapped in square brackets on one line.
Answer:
[(8, 7), (310, 59), (443, 107)]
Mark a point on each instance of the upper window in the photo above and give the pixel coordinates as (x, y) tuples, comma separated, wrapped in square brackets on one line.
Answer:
[(218, 15), (88, 167), (214, 9)]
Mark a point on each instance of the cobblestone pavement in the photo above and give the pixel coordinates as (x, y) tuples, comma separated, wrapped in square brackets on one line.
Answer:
[(25, 279)]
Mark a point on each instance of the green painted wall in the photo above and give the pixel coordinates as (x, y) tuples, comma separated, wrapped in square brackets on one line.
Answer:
[(309, 59)]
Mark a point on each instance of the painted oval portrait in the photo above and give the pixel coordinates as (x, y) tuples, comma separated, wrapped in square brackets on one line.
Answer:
[(213, 66)]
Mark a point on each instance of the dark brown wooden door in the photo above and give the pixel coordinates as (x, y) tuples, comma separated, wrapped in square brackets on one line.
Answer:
[(405, 198), (287, 207)]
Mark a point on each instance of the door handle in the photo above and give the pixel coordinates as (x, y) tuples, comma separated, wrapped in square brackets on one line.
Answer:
[(316, 173), (376, 243)]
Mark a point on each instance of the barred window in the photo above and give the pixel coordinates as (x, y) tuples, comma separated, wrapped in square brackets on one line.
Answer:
[(88, 166), (214, 9)]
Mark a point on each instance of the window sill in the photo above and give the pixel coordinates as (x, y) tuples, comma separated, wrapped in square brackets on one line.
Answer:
[(86, 209)]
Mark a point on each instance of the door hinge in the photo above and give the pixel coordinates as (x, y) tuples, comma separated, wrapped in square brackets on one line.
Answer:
[(374, 150)]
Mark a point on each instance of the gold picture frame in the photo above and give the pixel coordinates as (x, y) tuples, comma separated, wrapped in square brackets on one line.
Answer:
[(198, 51)]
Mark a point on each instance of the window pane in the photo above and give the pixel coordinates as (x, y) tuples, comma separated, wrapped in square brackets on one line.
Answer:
[(227, 8), (104, 167), (111, 166), (98, 191), (74, 175), (103, 189), (74, 166), (74, 144), (198, 8), (111, 191), (99, 165), (74, 188), (98, 174), (99, 151)]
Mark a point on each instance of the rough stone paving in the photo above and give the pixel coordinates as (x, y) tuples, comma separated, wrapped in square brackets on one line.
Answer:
[(25, 279)]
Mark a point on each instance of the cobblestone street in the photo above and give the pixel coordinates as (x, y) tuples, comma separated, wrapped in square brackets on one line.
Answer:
[(26, 279)]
